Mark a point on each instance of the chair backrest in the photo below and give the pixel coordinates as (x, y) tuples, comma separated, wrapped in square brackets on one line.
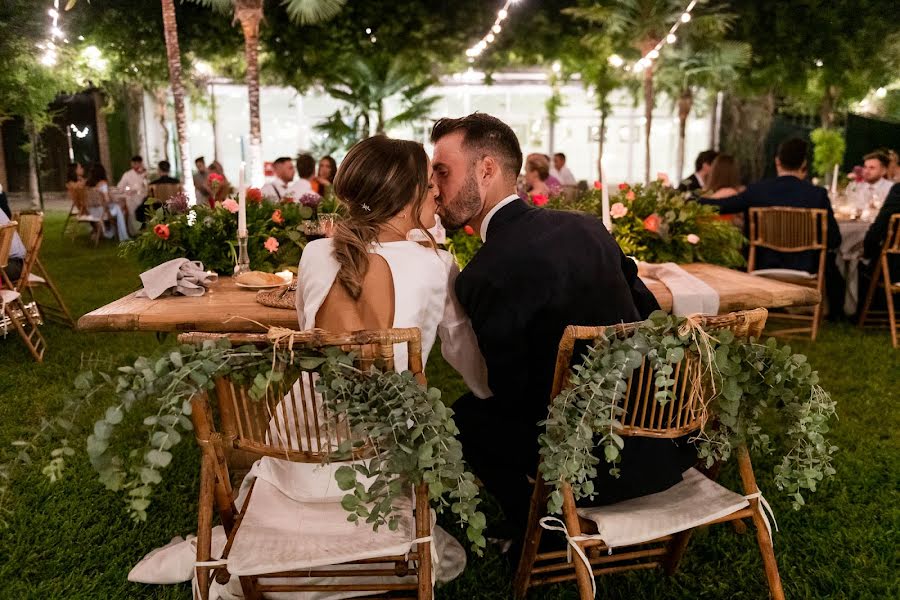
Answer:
[(6, 238), (164, 191), (31, 230), (642, 414), (787, 229), (892, 241), (92, 198), (291, 423), (77, 196)]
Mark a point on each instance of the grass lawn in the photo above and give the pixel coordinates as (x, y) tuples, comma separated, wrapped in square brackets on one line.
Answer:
[(73, 539)]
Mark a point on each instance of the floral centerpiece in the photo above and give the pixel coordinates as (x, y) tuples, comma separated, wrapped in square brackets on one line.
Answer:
[(655, 223), (209, 234)]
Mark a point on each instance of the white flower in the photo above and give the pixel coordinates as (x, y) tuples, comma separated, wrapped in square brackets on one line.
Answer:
[(693, 238), (191, 218)]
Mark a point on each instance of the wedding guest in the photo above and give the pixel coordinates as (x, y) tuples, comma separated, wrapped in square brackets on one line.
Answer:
[(724, 181), (201, 181), (561, 171), (874, 188), (4, 203), (874, 241), (893, 168), (325, 176), (101, 206), (702, 166), (537, 171), (222, 188), (790, 188), (537, 272), (16, 252), (162, 172), (306, 169), (133, 184), (279, 187)]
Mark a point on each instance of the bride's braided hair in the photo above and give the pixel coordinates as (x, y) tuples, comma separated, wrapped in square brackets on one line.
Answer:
[(377, 179)]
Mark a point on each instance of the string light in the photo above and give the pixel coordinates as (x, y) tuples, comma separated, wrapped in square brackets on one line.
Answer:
[(491, 35), (49, 57), (647, 60)]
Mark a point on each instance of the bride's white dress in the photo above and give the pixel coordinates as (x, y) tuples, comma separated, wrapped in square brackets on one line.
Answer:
[(423, 288)]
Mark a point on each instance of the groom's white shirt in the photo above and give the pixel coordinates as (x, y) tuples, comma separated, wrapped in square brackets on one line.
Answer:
[(487, 217)]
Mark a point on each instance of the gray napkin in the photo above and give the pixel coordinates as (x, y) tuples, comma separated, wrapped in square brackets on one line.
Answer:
[(178, 276)]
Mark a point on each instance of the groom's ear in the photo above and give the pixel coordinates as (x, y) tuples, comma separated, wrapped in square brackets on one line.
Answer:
[(490, 168)]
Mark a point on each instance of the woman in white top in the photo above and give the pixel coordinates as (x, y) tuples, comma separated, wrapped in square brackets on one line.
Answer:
[(103, 207)]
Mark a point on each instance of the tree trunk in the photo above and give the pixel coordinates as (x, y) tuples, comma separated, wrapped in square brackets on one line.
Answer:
[(826, 111), (603, 114), (379, 115), (34, 184), (134, 109), (173, 54), (746, 122), (161, 101), (214, 119), (4, 183), (685, 103), (102, 131), (648, 116), (249, 13)]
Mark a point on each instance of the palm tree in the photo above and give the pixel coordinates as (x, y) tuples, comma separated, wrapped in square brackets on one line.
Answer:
[(365, 84), (173, 54), (708, 62), (249, 13)]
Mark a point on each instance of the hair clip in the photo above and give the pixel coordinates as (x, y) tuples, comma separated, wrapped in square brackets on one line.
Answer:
[(366, 208)]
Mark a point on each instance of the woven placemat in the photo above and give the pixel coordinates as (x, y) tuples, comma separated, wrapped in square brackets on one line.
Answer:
[(283, 297)]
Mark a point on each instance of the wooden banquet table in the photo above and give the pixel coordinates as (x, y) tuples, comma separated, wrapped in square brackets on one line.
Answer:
[(228, 308)]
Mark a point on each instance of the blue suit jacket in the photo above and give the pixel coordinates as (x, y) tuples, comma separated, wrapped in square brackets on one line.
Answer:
[(786, 190)]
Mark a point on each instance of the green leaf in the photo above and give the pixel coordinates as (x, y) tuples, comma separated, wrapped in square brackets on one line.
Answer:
[(114, 415), (345, 477), (159, 458)]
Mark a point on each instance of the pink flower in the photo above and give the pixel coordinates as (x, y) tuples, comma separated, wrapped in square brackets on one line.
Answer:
[(277, 218), (598, 185), (652, 223), (618, 210), (230, 205), (469, 230), (662, 178), (539, 199), (161, 231), (271, 245), (630, 196), (693, 238)]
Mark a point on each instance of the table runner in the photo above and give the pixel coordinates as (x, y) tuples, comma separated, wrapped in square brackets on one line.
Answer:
[(690, 295)]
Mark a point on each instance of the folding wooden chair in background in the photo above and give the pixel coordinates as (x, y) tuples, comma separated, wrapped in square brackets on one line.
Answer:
[(666, 519), (12, 310), (881, 277), (291, 426), (34, 276)]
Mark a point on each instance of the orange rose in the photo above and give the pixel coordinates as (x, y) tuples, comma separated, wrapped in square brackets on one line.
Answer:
[(254, 195), (277, 218), (623, 187), (598, 185), (652, 223), (630, 195), (161, 231)]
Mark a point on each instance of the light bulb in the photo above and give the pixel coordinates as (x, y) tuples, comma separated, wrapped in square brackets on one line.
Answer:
[(685, 17), (53, 14), (502, 14), (368, 31), (653, 54), (556, 67), (616, 60), (671, 39), (496, 28), (490, 37), (881, 92)]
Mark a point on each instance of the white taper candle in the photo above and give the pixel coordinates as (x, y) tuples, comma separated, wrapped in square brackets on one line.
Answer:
[(242, 201)]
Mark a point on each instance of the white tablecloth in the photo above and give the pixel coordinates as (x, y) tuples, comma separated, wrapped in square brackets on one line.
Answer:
[(849, 256)]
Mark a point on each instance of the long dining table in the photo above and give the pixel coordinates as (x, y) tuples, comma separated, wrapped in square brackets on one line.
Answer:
[(228, 308)]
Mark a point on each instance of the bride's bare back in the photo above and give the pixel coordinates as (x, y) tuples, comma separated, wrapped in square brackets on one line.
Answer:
[(373, 310)]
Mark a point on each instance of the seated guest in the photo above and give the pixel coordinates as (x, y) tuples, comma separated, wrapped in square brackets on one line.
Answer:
[(724, 181), (325, 176), (99, 204), (4, 203), (306, 169), (221, 189), (893, 168), (871, 192), (561, 171), (201, 181), (16, 252), (133, 184), (279, 187), (702, 167), (537, 171), (791, 189), (875, 237), (163, 169), (537, 272)]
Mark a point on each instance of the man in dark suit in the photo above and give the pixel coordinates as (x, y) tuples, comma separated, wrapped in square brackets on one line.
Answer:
[(538, 271), (791, 189), (698, 179), (874, 241)]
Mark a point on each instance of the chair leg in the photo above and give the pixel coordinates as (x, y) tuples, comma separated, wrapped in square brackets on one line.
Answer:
[(60, 310), (677, 547), (248, 586), (583, 575), (29, 332), (532, 540), (204, 523), (870, 295), (423, 529), (889, 298), (816, 320)]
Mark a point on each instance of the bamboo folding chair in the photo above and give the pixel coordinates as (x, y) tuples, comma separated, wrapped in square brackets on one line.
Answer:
[(12, 310), (882, 277), (34, 274), (291, 426), (792, 230), (83, 198), (643, 416)]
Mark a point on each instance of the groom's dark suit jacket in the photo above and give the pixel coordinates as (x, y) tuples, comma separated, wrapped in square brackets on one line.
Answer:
[(539, 271)]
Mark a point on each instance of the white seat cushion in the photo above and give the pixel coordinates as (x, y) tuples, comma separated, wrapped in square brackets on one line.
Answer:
[(785, 275), (32, 278), (280, 534), (88, 219), (692, 502), (8, 296)]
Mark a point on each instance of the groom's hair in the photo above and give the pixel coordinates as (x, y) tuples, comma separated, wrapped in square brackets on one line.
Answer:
[(486, 135)]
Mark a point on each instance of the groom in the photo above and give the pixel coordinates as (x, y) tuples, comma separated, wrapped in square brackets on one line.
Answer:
[(538, 271)]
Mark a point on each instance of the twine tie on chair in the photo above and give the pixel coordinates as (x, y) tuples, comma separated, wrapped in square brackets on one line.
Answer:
[(572, 543), (763, 509)]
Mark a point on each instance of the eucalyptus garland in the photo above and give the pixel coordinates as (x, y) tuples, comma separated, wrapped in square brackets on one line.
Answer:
[(409, 427), (748, 379)]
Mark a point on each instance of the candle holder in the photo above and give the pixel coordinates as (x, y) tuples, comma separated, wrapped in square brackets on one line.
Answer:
[(243, 263)]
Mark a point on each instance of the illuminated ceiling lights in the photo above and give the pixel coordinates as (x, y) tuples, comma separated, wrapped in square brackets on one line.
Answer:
[(491, 35), (617, 61), (48, 59)]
